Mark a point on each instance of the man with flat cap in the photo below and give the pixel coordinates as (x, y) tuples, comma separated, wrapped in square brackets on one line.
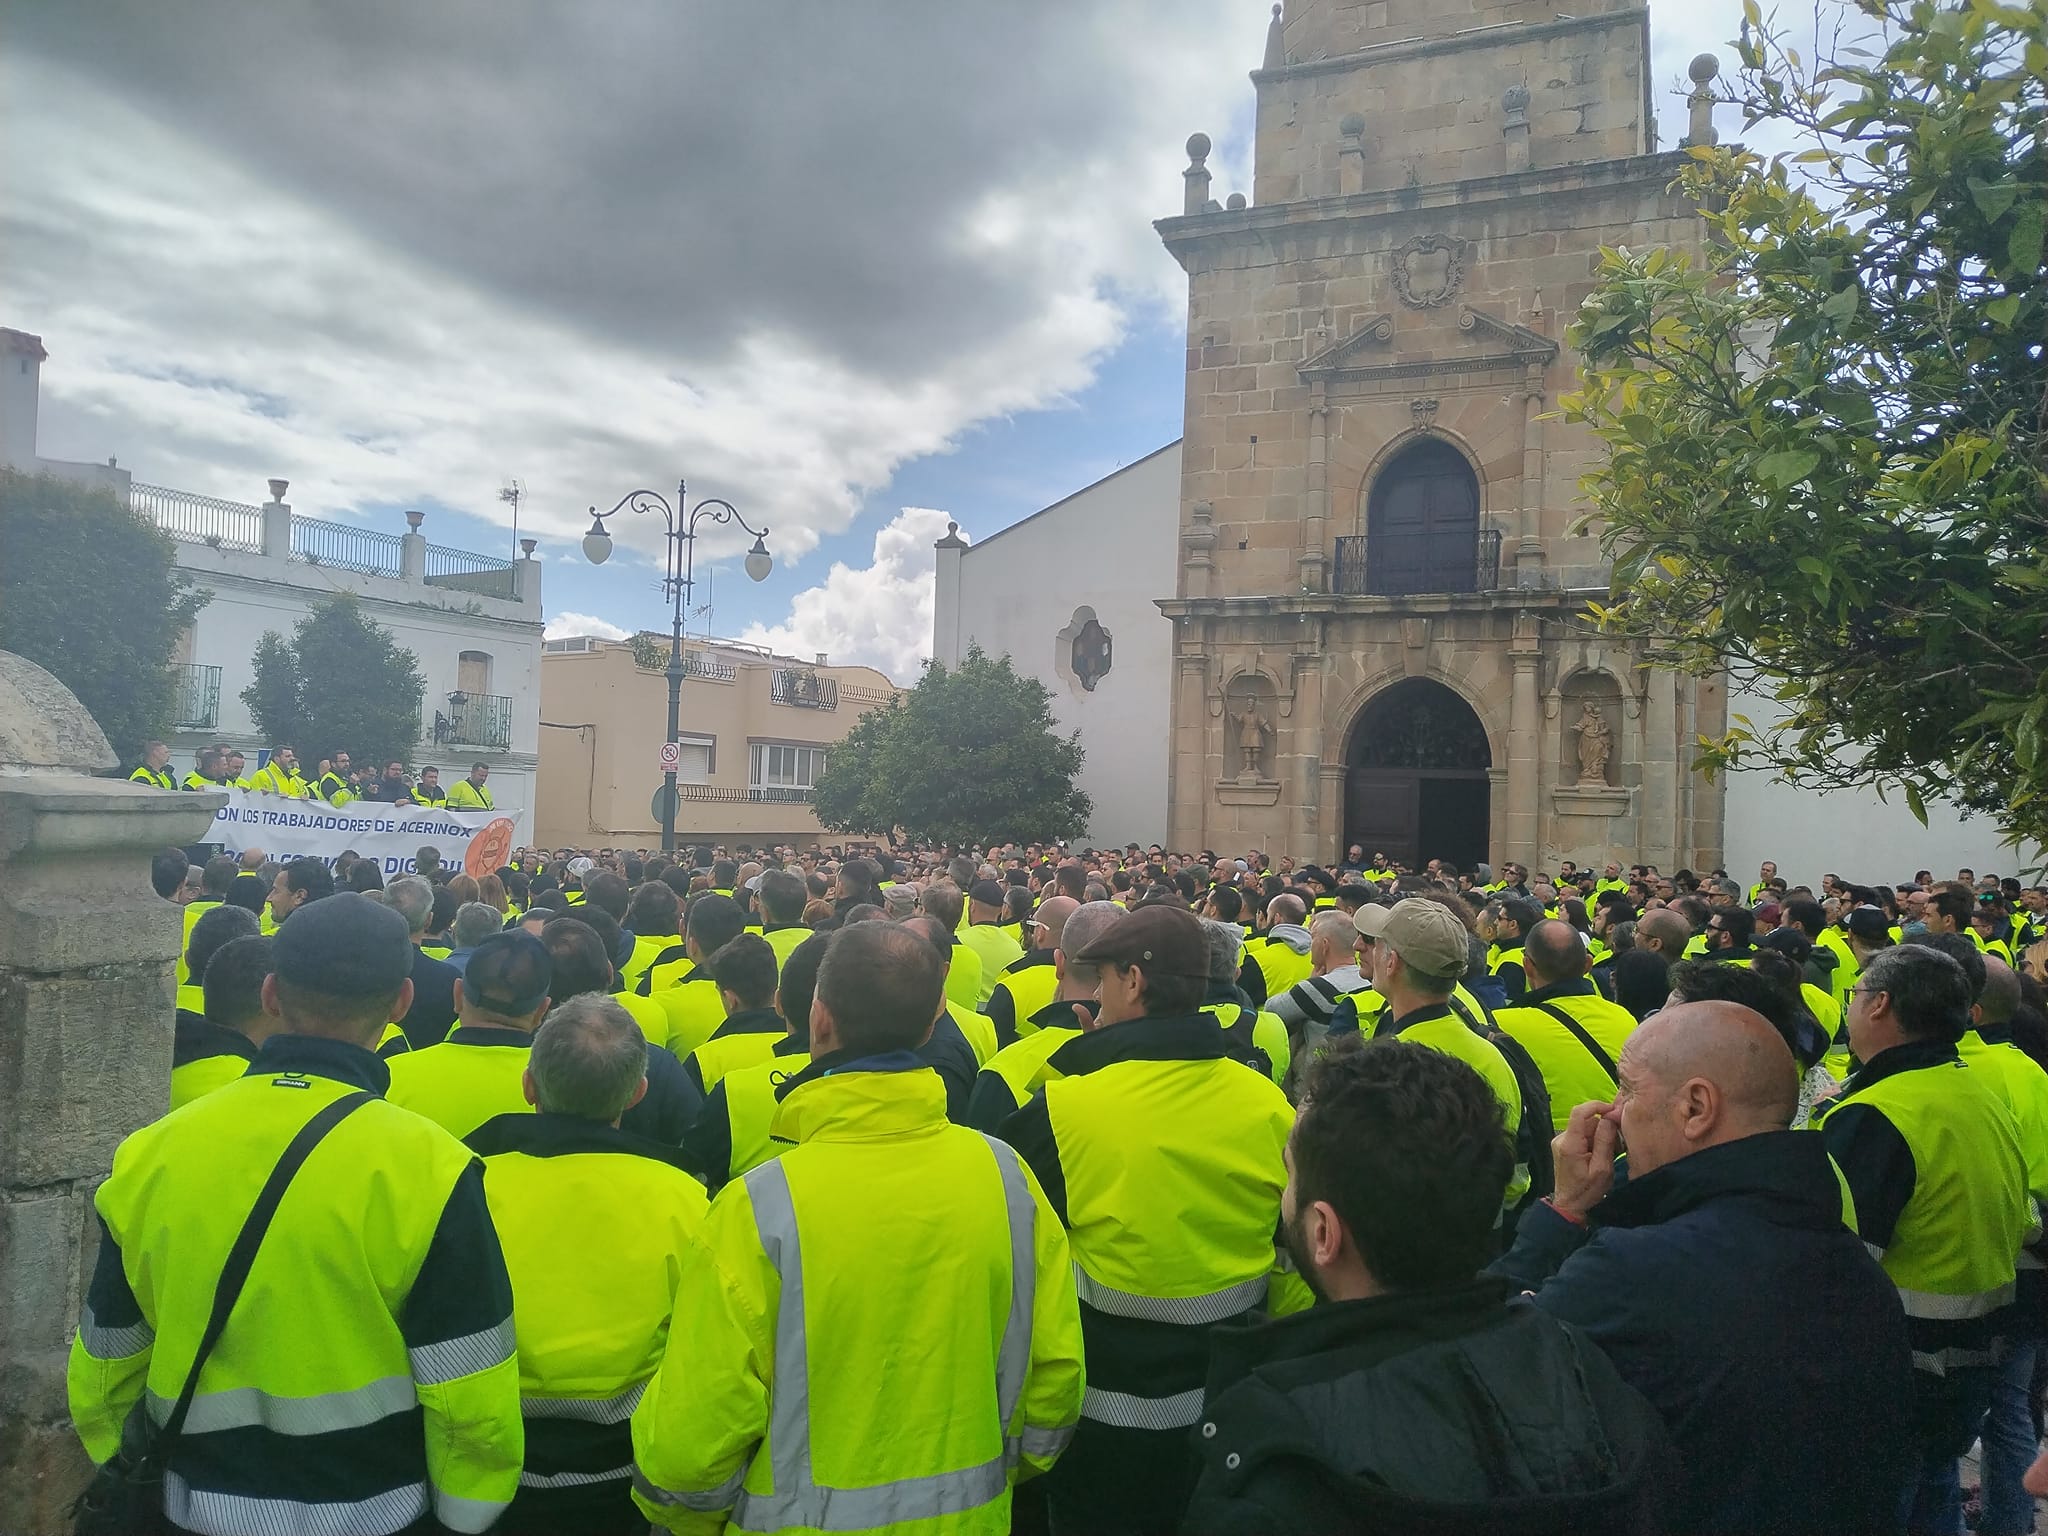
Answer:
[(477, 1071), (367, 1370), (1162, 1153), (984, 934)]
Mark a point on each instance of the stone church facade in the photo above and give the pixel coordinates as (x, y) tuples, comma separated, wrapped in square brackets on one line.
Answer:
[(1377, 632)]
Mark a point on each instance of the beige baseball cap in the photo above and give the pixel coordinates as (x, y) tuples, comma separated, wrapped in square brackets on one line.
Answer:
[(1426, 935)]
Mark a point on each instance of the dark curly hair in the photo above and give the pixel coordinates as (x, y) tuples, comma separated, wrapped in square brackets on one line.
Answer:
[(1410, 1148)]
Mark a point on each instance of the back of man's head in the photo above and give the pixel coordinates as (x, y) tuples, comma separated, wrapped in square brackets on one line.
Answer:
[(880, 984), (746, 968), (714, 922), (961, 871), (167, 872), (943, 900), (798, 984), (343, 969), (1962, 949), (1742, 1054), (1952, 904), (1285, 908), (1807, 917), (1087, 923), (1226, 943), (1663, 930), (1330, 937), (1402, 1145), (651, 912), (1229, 905), (1552, 952), (2000, 996), (507, 981), (1071, 880), (220, 927), (1052, 915), (474, 922), (781, 895), (581, 962), (589, 1060), (605, 890), (219, 870), (724, 874), (412, 898), (233, 987)]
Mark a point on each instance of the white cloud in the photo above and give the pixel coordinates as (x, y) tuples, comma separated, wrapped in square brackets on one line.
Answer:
[(879, 615), (564, 625)]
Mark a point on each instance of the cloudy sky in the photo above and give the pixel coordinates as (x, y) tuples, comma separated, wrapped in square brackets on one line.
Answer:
[(861, 268)]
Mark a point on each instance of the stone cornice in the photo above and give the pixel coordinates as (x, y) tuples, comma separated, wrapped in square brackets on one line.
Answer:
[(1422, 47), (1311, 216), (1331, 605)]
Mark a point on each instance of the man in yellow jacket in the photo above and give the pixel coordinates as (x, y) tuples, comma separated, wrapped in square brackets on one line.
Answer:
[(788, 1399), (368, 1370)]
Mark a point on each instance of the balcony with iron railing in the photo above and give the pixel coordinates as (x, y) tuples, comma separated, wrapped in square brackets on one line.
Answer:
[(475, 720), (343, 546), (1405, 564), (200, 519), (464, 571), (195, 698), (801, 688)]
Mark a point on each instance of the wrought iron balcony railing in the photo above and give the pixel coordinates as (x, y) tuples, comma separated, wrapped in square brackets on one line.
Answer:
[(803, 689), (475, 720), (195, 698), (1404, 564)]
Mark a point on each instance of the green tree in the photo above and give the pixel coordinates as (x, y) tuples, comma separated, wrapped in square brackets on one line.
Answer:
[(91, 590), (341, 683), (967, 756), (1826, 468)]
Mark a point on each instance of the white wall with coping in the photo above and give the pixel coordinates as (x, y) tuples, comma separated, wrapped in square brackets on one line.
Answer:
[(1809, 831), (1110, 547)]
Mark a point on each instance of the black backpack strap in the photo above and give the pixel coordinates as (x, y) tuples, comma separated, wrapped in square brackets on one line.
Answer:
[(1579, 1034), (243, 1254)]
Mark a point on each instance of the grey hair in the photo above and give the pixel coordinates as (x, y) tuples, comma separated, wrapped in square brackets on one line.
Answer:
[(412, 898), (1732, 889), (1929, 992), (474, 922), (1332, 928), (1085, 924), (1225, 940), (588, 1059)]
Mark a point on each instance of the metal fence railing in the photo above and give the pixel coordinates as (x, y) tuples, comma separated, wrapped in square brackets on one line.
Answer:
[(468, 572), (195, 698), (703, 664), (475, 720), (315, 541), (802, 689), (1402, 563), (200, 519), (779, 794)]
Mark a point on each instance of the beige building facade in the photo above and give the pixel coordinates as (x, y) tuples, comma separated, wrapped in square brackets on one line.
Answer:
[(1376, 631), (756, 732)]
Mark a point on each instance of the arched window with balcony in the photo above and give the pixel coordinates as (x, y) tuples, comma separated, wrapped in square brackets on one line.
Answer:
[(1422, 530)]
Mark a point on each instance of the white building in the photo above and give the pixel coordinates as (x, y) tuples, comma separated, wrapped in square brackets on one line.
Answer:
[(1032, 591), (1109, 551), (472, 622)]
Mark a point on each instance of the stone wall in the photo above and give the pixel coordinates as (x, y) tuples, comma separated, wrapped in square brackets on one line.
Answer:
[(86, 1003)]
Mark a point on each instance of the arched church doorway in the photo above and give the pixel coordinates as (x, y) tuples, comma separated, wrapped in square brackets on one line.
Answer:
[(1416, 785), (1422, 522)]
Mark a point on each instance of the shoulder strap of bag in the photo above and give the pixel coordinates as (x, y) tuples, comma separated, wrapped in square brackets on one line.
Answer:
[(1579, 1034), (243, 1255)]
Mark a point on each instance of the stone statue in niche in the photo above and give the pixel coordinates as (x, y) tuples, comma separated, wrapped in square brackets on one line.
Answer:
[(1596, 744), (1252, 730)]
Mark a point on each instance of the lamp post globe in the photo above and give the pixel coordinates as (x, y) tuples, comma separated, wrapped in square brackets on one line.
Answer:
[(597, 544), (759, 561)]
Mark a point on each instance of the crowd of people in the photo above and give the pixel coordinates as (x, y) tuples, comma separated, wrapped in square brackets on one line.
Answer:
[(1100, 1190), (335, 781)]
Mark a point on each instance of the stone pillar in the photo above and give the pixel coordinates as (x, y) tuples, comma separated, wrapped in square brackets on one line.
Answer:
[(1529, 549), (1351, 155), (277, 522), (1700, 102), (1309, 832), (1514, 126), (86, 1001), (1190, 788), (1525, 767), (1660, 770), (1315, 548), (1195, 179)]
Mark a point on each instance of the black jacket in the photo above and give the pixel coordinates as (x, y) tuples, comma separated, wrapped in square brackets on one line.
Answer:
[(1727, 1291), (432, 1013), (1422, 1415)]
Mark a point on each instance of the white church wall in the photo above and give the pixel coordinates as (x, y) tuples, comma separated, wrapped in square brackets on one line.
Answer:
[(1810, 832), (1109, 548)]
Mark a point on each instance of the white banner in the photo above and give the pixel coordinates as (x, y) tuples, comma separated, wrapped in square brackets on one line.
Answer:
[(477, 842)]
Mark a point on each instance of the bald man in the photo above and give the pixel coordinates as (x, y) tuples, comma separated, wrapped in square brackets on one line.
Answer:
[(1027, 983), (1723, 1285)]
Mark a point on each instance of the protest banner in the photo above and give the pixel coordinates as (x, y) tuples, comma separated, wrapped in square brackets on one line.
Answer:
[(476, 842)]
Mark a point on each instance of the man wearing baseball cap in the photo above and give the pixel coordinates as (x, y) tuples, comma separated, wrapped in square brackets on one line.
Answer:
[(1420, 953), (477, 1071), (995, 948), (380, 1266), (1162, 1153)]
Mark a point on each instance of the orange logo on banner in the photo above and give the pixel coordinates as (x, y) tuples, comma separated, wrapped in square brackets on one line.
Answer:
[(490, 850)]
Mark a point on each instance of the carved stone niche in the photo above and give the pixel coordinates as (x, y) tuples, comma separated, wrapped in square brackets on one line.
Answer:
[(1589, 718), (1082, 651), (1250, 734)]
